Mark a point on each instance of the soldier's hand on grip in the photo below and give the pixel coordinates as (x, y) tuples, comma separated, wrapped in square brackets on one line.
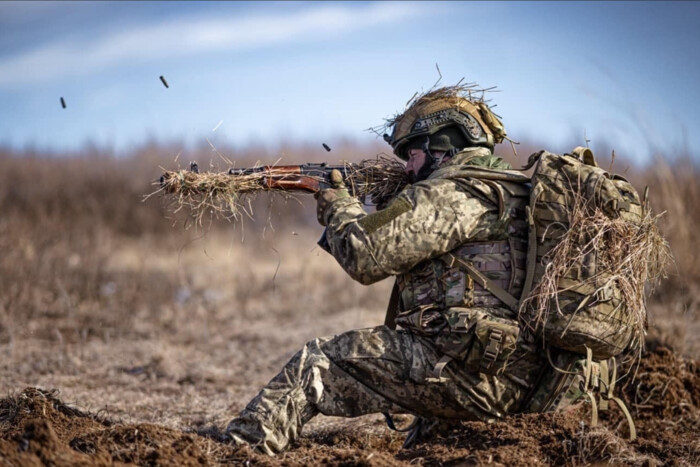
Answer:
[(326, 197)]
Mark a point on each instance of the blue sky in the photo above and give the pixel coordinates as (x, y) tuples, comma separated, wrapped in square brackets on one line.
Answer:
[(625, 74)]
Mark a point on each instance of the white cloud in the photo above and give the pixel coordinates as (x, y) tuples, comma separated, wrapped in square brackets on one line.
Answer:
[(183, 36)]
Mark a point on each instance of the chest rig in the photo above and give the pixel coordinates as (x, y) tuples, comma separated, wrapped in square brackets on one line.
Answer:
[(457, 278)]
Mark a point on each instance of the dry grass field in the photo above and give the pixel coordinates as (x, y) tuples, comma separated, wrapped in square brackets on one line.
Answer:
[(153, 330)]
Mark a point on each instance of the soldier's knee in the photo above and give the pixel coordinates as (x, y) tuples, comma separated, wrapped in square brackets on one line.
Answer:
[(351, 342)]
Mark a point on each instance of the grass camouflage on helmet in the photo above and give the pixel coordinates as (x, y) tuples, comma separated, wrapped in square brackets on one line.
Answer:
[(441, 111)]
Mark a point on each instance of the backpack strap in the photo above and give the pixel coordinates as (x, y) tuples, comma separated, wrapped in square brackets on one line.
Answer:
[(591, 381), (603, 402), (531, 261), (630, 421), (605, 397), (588, 379)]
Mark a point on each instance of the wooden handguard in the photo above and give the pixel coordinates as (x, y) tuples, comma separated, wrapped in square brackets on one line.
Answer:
[(306, 177), (293, 182)]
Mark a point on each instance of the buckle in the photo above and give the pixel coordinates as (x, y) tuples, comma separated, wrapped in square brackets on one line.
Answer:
[(462, 323), (604, 294), (493, 348)]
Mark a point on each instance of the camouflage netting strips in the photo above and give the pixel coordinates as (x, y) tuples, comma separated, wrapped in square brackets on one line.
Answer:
[(223, 195)]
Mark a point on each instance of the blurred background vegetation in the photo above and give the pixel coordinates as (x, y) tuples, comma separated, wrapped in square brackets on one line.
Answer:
[(65, 215)]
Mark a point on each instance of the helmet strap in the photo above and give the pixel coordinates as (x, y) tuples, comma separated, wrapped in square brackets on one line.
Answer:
[(434, 161), (449, 154), (437, 162)]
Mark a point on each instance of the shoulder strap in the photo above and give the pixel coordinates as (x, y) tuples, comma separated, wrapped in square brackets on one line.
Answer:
[(481, 173), (531, 261), (392, 310)]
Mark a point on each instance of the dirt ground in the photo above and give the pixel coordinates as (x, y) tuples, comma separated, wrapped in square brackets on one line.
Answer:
[(128, 340), (38, 428)]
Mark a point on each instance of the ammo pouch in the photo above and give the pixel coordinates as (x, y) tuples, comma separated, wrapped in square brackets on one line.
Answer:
[(478, 340)]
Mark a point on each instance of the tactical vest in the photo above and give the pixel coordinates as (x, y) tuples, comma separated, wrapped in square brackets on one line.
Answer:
[(452, 297), (453, 279)]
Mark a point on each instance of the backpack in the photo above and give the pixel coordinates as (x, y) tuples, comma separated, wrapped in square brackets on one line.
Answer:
[(582, 224), (584, 282)]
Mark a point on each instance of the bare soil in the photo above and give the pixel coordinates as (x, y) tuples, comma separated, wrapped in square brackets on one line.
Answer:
[(38, 428)]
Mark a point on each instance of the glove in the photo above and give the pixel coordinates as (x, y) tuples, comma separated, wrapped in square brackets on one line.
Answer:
[(328, 196)]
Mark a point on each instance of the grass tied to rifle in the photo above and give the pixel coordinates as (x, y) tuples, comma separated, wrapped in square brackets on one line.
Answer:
[(229, 195)]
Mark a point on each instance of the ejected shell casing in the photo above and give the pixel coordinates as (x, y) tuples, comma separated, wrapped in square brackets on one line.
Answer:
[(63, 103), (165, 83), (326, 147)]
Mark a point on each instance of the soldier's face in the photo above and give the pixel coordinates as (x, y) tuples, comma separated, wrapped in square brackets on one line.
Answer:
[(416, 161), (419, 164)]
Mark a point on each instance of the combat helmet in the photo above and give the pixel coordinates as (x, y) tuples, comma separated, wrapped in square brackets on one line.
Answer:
[(445, 118)]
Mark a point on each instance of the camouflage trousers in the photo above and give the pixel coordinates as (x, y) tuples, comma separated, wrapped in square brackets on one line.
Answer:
[(375, 370)]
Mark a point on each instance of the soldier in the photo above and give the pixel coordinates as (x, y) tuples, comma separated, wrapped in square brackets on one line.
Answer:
[(457, 247)]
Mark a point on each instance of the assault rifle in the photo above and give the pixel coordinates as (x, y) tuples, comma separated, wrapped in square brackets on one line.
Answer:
[(309, 177), (373, 179)]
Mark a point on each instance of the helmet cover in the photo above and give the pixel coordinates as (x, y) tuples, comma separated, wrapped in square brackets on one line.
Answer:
[(451, 108)]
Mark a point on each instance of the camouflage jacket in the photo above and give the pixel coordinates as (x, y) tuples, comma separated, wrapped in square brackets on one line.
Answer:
[(426, 220)]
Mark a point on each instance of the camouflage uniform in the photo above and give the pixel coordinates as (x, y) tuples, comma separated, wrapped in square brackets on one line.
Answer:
[(436, 366)]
